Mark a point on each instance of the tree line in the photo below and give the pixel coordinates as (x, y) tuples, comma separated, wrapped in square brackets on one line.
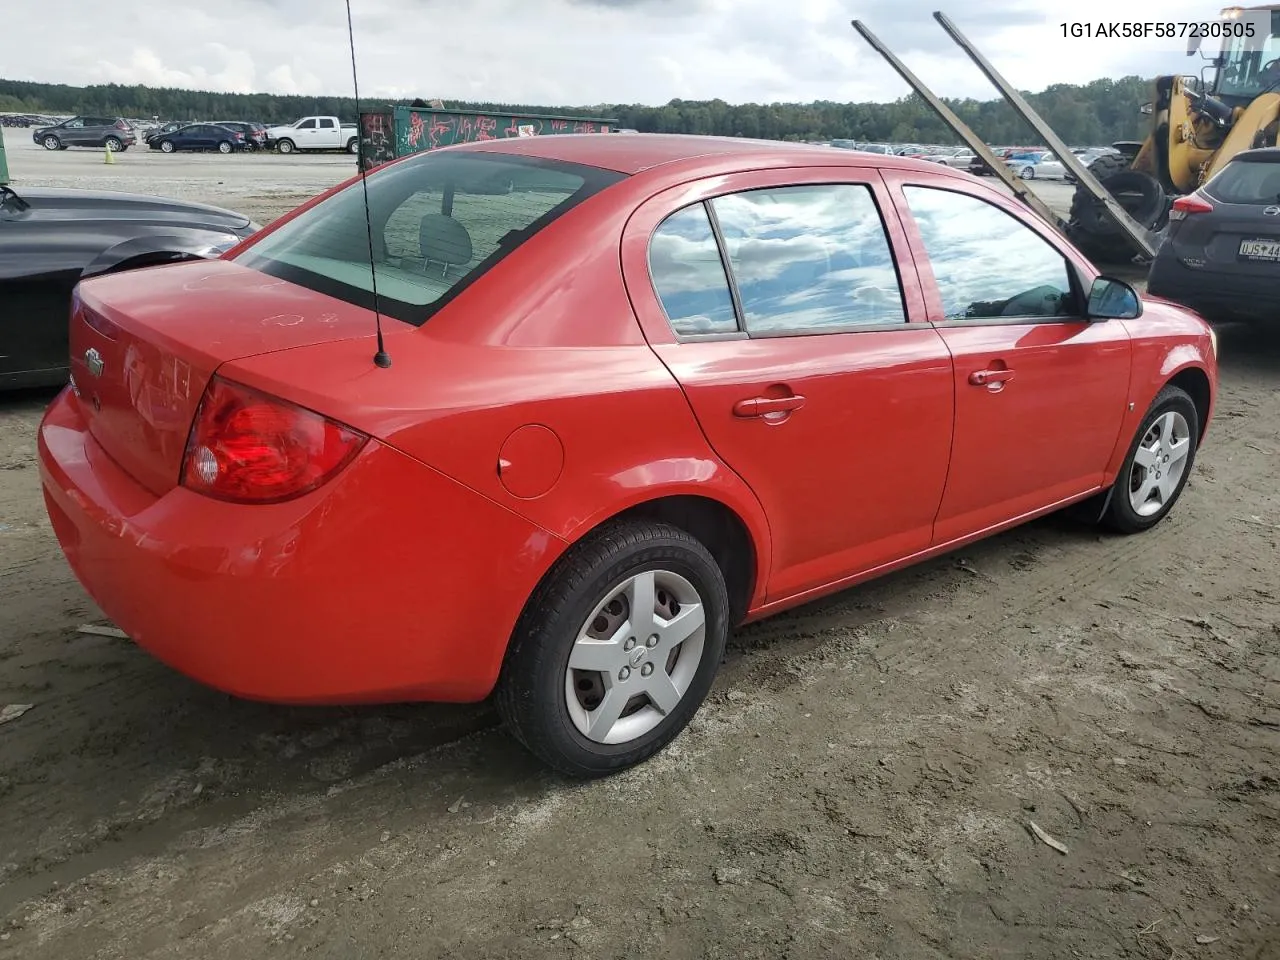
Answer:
[(1094, 113)]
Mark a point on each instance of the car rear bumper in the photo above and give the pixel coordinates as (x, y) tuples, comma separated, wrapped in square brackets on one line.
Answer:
[(391, 583), (1213, 293)]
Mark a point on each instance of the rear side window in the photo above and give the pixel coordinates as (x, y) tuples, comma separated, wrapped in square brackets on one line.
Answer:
[(809, 259), (689, 276), (1246, 182), (987, 263), (439, 221)]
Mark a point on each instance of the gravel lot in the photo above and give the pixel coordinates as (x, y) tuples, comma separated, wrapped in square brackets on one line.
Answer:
[(860, 783)]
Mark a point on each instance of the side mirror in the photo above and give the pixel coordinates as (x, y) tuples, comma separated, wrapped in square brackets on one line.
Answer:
[(1111, 299)]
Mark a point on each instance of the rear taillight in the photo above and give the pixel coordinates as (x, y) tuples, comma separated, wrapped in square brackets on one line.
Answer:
[(250, 447), (1183, 207)]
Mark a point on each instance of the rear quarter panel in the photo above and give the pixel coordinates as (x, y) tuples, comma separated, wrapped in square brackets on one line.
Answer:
[(547, 339)]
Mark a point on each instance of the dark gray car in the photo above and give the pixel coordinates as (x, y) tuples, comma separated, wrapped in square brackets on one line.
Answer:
[(87, 132), (1222, 253), (52, 239)]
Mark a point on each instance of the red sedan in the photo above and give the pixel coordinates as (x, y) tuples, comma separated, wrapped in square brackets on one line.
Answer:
[(640, 390)]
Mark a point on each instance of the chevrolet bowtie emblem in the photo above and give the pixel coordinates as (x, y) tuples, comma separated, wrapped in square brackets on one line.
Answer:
[(93, 360)]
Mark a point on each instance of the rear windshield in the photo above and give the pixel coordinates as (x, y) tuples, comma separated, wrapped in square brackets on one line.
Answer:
[(438, 221), (1247, 182)]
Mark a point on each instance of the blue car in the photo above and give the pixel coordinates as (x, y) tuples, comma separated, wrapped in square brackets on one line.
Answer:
[(200, 136)]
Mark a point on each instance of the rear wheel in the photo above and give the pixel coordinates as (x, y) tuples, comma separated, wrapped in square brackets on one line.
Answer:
[(353, 145), (616, 650), (114, 144), (1158, 466), (224, 147)]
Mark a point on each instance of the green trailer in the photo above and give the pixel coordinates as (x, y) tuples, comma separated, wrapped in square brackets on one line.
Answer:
[(386, 135)]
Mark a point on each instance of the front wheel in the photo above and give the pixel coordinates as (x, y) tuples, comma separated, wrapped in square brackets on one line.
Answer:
[(1027, 173), (1158, 466), (166, 146), (285, 146), (52, 143), (616, 650)]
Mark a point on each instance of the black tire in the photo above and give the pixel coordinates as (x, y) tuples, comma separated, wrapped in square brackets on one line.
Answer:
[(114, 144), (1028, 173), (531, 694), (1120, 515), (285, 146), (51, 143), (166, 146), (224, 146), (353, 145), (1092, 231)]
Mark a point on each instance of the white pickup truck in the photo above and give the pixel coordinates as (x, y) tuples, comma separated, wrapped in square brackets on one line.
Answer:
[(316, 133)]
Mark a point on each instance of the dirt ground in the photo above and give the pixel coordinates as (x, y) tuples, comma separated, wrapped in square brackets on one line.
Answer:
[(861, 783)]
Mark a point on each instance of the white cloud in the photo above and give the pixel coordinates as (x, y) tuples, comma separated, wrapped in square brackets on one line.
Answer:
[(578, 52)]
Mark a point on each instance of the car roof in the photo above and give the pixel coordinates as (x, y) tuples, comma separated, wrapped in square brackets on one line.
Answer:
[(635, 154), (1261, 155)]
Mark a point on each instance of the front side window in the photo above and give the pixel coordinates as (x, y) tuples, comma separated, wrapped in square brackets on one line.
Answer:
[(987, 263), (439, 221), (809, 259), (307, 125), (688, 274)]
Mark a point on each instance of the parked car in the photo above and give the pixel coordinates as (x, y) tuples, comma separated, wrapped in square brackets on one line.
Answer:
[(265, 135), (100, 132), (978, 166), (171, 127), (200, 136), (629, 393), (316, 133), (51, 239), (1221, 255), (960, 160), (255, 135), (1032, 166)]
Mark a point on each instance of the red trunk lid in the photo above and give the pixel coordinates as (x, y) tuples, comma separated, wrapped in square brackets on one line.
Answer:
[(144, 344)]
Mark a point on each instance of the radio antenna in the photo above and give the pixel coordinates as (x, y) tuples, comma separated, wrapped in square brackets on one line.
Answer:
[(381, 358)]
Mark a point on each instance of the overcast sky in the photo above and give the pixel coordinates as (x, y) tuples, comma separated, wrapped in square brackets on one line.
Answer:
[(570, 52)]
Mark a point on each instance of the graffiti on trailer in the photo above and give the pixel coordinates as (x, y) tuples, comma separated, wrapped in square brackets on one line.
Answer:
[(431, 130), (377, 139)]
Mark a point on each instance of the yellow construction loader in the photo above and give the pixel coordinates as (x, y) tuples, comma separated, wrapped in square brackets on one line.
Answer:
[(1198, 124)]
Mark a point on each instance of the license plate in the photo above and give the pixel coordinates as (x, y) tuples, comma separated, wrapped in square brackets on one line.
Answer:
[(1260, 250)]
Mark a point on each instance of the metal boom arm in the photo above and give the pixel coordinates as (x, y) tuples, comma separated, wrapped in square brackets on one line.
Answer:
[(1147, 242), (1143, 238), (976, 143)]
